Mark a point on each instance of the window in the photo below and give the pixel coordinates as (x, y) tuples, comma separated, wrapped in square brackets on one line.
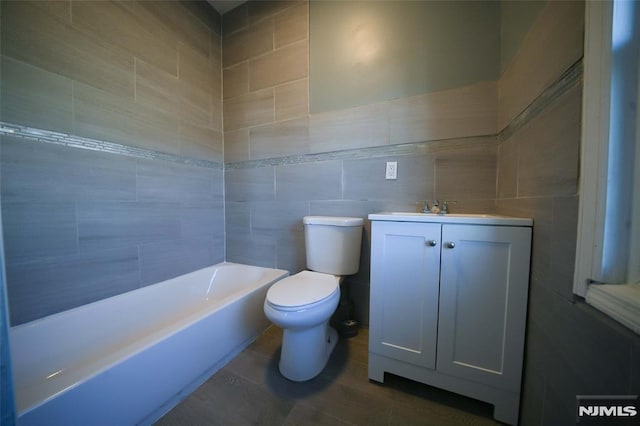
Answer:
[(608, 255)]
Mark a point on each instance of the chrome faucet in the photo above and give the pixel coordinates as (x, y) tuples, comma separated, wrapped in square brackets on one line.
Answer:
[(435, 207)]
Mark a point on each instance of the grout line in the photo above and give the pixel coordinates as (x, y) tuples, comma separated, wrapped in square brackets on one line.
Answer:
[(73, 106), (273, 97), (498, 171), (544, 397), (224, 213), (178, 60), (342, 179), (139, 267), (273, 33), (517, 170), (137, 183), (135, 79), (435, 180), (248, 143), (77, 229), (275, 183)]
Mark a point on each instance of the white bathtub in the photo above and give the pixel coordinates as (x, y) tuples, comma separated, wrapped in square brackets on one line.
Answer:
[(128, 359)]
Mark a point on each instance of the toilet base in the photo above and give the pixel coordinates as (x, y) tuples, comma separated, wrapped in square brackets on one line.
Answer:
[(305, 352)]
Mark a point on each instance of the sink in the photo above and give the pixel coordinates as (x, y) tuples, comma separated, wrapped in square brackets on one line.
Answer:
[(471, 215)]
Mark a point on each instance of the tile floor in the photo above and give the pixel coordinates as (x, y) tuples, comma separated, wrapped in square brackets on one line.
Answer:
[(250, 391)]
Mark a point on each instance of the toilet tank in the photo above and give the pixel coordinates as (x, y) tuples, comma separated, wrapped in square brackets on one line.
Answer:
[(333, 244)]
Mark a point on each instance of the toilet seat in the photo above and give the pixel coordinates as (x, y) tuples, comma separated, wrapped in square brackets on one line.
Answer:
[(303, 289)]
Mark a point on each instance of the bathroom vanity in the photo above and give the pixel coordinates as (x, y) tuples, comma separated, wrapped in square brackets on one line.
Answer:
[(449, 303)]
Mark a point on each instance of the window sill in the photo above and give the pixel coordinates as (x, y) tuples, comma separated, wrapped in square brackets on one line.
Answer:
[(620, 301)]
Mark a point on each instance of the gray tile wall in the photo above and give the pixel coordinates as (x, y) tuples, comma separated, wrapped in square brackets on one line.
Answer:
[(265, 204), (266, 79), (571, 349), (144, 74), (82, 225), (284, 163)]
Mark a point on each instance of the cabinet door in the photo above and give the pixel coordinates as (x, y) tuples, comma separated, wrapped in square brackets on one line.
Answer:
[(405, 262), (483, 303)]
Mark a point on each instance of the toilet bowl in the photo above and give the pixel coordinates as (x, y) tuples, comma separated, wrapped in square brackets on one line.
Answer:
[(302, 304)]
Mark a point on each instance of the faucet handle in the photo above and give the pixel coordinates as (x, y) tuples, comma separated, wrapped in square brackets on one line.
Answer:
[(445, 206)]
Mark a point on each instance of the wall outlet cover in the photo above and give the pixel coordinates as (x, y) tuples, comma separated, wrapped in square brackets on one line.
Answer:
[(391, 170)]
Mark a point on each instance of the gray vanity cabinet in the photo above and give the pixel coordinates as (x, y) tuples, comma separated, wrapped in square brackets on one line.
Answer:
[(404, 304), (483, 303), (448, 306)]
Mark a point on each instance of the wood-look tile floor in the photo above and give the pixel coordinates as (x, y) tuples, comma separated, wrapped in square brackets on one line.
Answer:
[(250, 391)]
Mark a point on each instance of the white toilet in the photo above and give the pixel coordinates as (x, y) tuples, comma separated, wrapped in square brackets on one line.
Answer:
[(303, 303)]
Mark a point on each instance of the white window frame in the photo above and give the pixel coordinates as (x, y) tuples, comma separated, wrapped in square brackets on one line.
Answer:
[(595, 136), (620, 301)]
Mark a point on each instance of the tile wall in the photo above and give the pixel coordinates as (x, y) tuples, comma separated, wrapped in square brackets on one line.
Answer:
[(266, 85), (81, 225), (147, 75), (531, 115), (265, 204), (571, 349), (283, 162)]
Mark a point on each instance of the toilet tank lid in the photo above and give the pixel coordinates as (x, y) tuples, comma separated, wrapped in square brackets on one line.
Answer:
[(333, 220)]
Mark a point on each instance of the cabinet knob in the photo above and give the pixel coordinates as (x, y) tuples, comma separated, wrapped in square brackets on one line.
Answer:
[(432, 243), (450, 244)]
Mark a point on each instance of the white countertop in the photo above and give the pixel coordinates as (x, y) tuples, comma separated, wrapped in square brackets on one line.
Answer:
[(468, 219)]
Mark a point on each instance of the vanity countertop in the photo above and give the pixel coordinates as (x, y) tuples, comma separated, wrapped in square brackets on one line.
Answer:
[(468, 219)]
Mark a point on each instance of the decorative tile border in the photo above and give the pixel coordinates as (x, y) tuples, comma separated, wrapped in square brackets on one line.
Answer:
[(416, 148), (47, 136), (569, 79)]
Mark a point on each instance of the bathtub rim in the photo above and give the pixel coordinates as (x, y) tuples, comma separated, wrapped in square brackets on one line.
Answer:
[(87, 371), (147, 287)]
